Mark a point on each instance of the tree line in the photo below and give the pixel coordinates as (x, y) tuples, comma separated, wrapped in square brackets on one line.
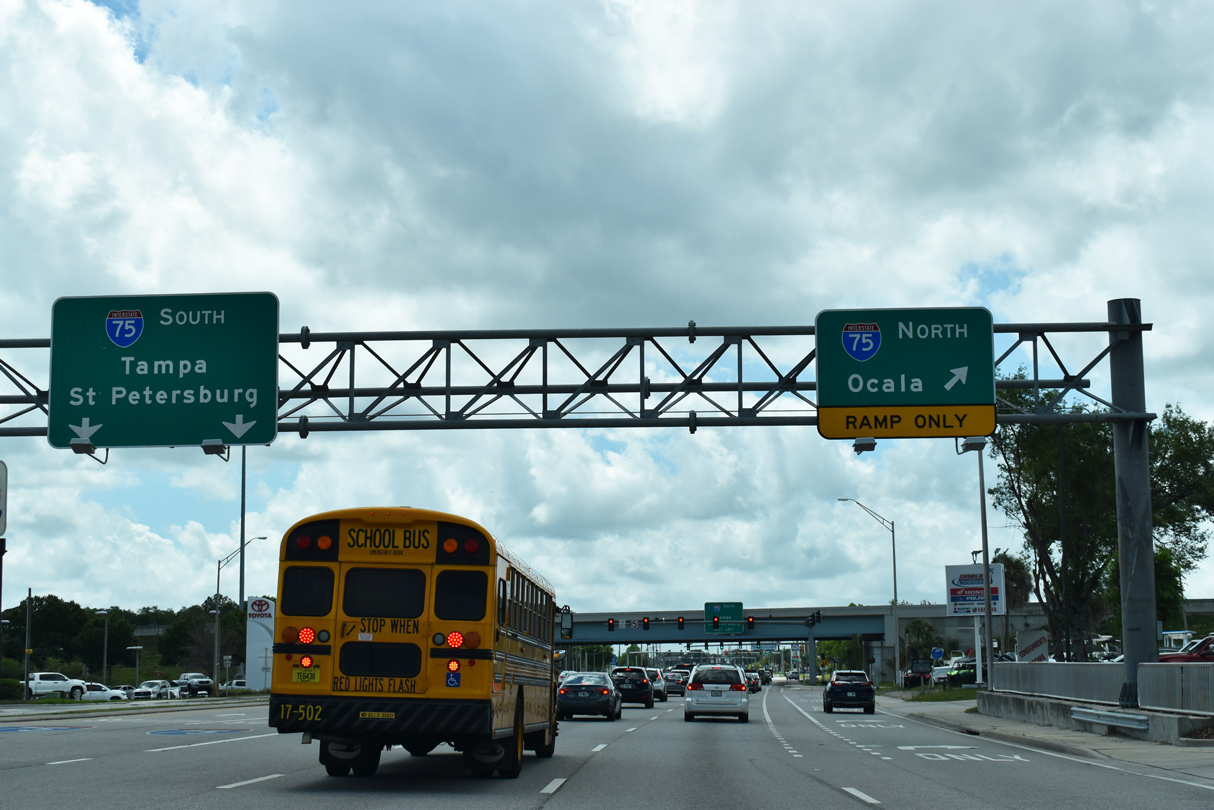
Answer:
[(71, 638)]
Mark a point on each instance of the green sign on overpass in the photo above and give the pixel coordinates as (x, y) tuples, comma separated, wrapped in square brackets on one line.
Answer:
[(164, 370), (728, 615)]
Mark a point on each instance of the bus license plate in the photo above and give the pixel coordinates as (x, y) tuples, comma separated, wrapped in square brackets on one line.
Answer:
[(301, 675)]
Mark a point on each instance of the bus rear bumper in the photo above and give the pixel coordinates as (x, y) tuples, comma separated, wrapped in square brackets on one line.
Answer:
[(389, 721)]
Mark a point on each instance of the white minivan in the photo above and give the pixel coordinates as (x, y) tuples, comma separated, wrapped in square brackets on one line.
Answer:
[(717, 689)]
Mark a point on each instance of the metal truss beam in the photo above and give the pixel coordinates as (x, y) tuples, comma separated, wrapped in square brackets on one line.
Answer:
[(688, 377)]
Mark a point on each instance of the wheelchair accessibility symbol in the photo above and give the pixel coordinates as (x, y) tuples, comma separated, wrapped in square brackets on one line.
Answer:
[(452, 679)]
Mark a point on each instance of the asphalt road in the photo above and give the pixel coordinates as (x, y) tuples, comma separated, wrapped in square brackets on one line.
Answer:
[(790, 755)]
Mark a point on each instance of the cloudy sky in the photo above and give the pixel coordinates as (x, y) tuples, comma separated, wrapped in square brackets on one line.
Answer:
[(602, 163)]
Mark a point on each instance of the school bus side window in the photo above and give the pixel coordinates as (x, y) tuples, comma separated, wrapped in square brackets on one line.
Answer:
[(391, 593), (307, 591), (460, 595)]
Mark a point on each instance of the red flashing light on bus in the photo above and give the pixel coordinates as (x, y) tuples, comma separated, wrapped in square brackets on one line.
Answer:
[(324, 542), (303, 541)]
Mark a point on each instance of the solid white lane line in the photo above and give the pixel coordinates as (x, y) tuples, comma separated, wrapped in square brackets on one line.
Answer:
[(553, 786), (250, 781), (861, 796), (66, 761)]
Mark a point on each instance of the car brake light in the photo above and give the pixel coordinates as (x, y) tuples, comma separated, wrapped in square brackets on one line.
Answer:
[(694, 686), (605, 691), (562, 691), (737, 687)]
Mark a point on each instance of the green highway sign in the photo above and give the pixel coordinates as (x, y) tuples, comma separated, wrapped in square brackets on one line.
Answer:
[(729, 615), (164, 370), (903, 373)]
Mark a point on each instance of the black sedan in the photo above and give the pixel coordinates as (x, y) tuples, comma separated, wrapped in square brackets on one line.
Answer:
[(588, 693)]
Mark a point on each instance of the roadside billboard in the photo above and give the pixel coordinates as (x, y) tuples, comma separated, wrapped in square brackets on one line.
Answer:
[(964, 590)]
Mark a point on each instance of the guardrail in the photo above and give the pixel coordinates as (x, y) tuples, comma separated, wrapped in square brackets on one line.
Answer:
[(1185, 688), (1138, 722)]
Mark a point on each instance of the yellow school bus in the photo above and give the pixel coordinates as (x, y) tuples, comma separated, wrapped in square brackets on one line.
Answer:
[(407, 627)]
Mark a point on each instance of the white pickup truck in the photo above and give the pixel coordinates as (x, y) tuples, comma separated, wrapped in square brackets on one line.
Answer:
[(42, 684)]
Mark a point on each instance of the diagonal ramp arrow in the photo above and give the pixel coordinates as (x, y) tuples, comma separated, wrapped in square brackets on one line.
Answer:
[(959, 375)]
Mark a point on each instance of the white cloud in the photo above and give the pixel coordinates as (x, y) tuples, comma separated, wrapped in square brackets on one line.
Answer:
[(537, 165)]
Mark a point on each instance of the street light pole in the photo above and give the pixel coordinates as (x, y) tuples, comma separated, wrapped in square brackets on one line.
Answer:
[(136, 649), (219, 567), (105, 649), (889, 524), (978, 444)]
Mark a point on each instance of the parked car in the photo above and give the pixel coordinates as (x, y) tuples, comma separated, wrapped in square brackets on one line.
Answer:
[(126, 688), (911, 678), (963, 672), (717, 689), (1199, 650), (588, 693), (156, 689), (676, 681), (239, 683), (849, 688), (940, 675), (634, 685), (194, 684), (660, 687), (99, 691), (56, 684)]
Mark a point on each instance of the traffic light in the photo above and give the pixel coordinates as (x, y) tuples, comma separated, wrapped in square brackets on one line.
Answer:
[(818, 616), (645, 623), (680, 622), (716, 622), (750, 622), (611, 625)]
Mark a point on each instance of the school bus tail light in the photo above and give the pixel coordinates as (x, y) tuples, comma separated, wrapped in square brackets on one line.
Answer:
[(307, 635), (290, 635), (455, 639), (305, 661), (453, 665)]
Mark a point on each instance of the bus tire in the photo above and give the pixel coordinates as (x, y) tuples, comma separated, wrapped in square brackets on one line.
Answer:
[(547, 747), (512, 761), (368, 763)]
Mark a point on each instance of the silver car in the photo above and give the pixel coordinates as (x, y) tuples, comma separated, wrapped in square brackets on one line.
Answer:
[(659, 684), (717, 689)]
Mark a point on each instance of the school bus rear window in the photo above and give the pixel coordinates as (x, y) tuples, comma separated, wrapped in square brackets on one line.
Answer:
[(383, 659), (461, 595), (393, 593), (307, 591)]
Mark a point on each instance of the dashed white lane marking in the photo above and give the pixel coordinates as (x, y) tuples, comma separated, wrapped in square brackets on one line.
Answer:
[(250, 781), (634, 728), (598, 748), (553, 786), (68, 761), (861, 795), (862, 746)]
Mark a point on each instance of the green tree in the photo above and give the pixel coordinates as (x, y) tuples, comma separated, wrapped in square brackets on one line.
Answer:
[(1169, 593), (1056, 482), (921, 637), (1017, 585)]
